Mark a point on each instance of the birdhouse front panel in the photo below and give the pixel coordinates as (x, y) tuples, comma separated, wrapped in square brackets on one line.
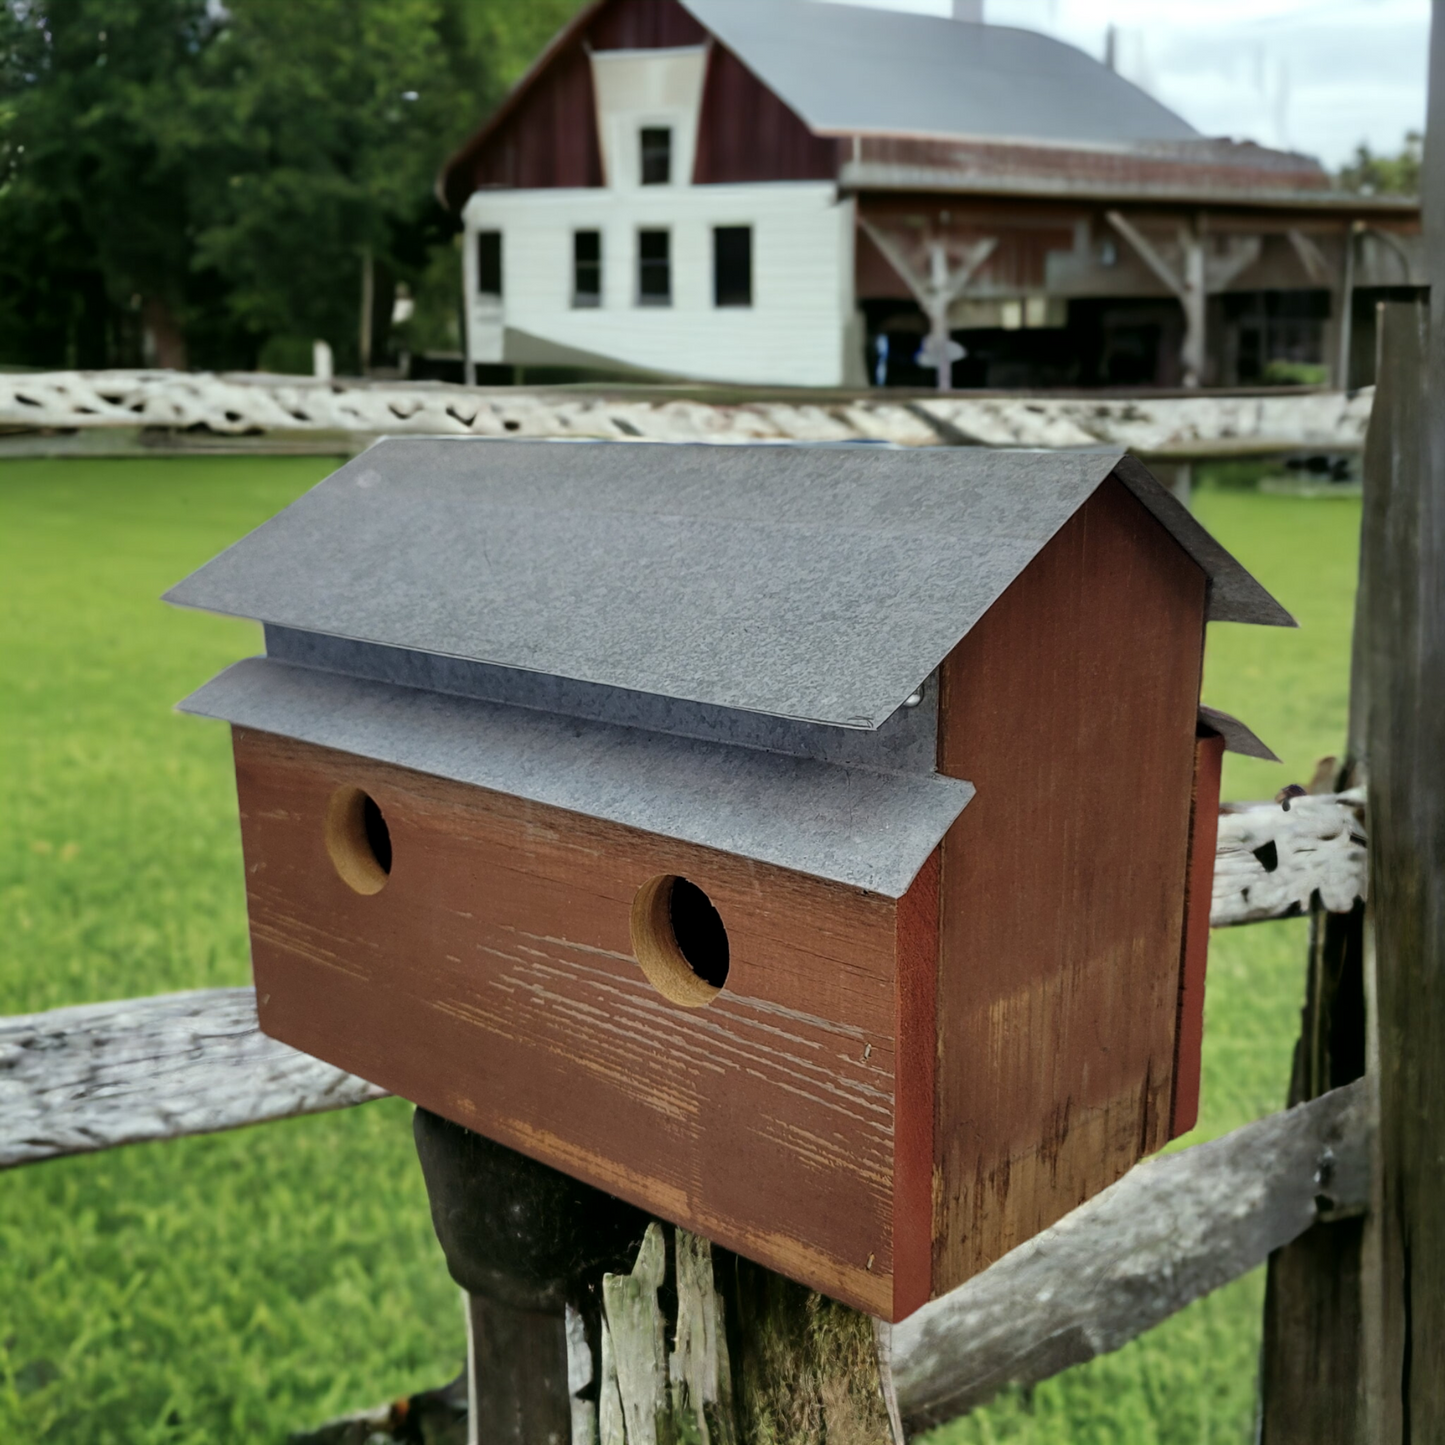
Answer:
[(491, 973), (803, 844)]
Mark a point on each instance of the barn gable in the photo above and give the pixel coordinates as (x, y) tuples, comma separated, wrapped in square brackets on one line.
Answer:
[(545, 135)]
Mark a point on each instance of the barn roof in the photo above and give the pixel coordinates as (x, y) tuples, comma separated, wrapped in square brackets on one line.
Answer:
[(822, 585), (850, 69)]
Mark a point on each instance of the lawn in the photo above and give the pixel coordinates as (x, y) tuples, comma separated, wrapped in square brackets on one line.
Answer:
[(230, 1288)]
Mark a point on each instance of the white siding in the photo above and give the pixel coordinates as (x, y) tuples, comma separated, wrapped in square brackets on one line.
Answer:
[(802, 253)]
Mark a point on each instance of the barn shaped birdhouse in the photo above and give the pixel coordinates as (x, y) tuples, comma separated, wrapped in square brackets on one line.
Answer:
[(811, 846)]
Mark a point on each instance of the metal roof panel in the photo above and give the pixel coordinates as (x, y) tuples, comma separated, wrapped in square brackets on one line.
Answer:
[(817, 584), (869, 829), (852, 69)]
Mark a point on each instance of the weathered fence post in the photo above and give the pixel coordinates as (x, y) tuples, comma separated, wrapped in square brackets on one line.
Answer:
[(1405, 728), (1355, 1318)]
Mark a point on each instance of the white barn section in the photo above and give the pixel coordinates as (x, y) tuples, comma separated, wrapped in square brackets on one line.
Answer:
[(797, 331), (786, 192)]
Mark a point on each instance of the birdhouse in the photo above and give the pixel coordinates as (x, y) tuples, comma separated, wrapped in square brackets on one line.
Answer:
[(811, 846)]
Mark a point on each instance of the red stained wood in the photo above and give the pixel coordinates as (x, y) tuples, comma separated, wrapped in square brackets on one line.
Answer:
[(917, 1053), (747, 133), (1071, 707), (492, 981), (545, 134), (548, 138), (1203, 838), (644, 25)]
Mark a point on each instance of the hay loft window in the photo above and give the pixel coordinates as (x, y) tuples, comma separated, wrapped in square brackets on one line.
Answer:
[(489, 263), (656, 155), (586, 268), (732, 265), (654, 268)]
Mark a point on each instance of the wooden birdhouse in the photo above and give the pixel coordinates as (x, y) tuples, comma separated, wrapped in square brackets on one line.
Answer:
[(810, 845)]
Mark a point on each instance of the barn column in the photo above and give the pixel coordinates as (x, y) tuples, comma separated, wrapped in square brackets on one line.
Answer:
[(936, 268), (1201, 272)]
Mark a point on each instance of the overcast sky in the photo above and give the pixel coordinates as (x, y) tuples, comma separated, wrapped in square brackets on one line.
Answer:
[(1311, 75)]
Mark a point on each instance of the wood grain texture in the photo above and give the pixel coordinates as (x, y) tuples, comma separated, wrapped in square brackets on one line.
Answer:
[(746, 132), (1198, 891), (917, 1055), (1071, 707), (491, 980), (74, 1080), (1270, 864), (1167, 1233), (1401, 716)]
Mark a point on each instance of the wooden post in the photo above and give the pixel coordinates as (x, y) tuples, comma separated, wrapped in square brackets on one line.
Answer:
[(1357, 1321), (1347, 310), (1404, 564), (588, 1323)]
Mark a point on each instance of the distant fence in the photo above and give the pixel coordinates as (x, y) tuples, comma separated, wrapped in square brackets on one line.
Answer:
[(75, 1080), (101, 409)]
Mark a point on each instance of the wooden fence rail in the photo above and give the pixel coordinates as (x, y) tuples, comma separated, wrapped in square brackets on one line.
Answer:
[(75, 1080), (190, 407)]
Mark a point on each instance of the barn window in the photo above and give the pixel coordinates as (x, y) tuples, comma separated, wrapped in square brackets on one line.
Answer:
[(654, 268), (732, 265), (489, 263), (586, 268), (656, 155)]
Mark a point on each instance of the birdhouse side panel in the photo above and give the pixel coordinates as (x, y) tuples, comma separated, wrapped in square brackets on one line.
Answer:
[(491, 977), (1071, 706), (1203, 841)]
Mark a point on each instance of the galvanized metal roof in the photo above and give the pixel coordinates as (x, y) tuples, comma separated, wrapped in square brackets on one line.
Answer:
[(1238, 737), (849, 69), (822, 585), (865, 828)]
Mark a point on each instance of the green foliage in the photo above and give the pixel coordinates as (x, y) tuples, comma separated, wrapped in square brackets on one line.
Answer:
[(1278, 372), (229, 1289), (1398, 174), (186, 178)]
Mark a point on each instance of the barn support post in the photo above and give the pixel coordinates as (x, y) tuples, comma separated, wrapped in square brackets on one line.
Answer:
[(936, 291), (1347, 308), (1201, 273)]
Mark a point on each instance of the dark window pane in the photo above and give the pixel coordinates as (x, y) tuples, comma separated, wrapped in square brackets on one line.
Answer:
[(656, 156), (489, 263), (732, 265), (587, 268), (654, 268)]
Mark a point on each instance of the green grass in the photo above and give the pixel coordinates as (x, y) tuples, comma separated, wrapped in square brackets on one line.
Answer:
[(227, 1289), (206, 1290)]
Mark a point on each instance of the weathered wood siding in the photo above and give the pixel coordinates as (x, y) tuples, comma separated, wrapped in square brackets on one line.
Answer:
[(1071, 707)]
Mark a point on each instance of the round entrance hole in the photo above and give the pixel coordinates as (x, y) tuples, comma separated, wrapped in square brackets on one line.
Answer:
[(679, 940), (358, 840)]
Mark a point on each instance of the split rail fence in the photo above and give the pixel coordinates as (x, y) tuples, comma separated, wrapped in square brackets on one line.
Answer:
[(76, 1080)]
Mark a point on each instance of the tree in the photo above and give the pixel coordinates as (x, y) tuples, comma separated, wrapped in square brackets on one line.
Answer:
[(1399, 174), (182, 179), (94, 226)]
